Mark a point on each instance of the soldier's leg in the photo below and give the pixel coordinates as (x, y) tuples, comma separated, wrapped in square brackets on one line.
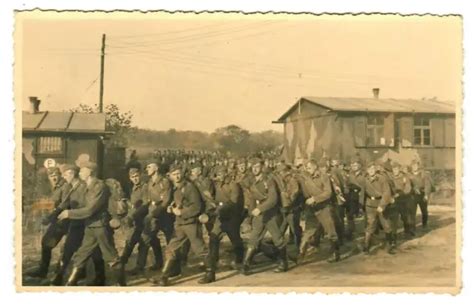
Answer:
[(402, 203), (326, 218), (279, 241), (371, 219), (99, 268), (338, 217), (71, 245), (155, 245), (351, 213), (256, 234), (53, 235), (295, 230), (133, 238), (178, 239), (232, 229), (424, 210), (411, 214), (89, 243), (105, 239), (309, 232), (213, 254), (386, 221)]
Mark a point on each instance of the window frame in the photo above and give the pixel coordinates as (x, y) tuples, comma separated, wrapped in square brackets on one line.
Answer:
[(376, 129), (60, 153), (422, 128)]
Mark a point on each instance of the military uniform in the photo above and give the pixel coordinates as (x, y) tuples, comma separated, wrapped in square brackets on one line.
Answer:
[(158, 197), (404, 201), (56, 229), (421, 192), (264, 195), (355, 198), (290, 197), (318, 187), (377, 194), (135, 221), (97, 233), (186, 197), (229, 199)]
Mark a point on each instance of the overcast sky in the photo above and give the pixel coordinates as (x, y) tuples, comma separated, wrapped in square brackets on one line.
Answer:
[(201, 72)]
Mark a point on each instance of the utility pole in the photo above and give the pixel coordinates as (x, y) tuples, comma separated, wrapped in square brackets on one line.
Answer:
[(102, 62)]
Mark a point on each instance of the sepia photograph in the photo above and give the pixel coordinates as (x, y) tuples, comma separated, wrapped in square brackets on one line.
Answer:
[(223, 151)]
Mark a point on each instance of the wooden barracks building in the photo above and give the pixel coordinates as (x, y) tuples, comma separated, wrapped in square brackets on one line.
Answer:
[(399, 129), (67, 137)]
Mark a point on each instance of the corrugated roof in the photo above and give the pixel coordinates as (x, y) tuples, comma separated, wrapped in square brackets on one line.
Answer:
[(378, 105), (67, 122)]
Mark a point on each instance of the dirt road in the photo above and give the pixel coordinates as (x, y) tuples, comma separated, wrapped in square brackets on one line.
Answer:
[(427, 260)]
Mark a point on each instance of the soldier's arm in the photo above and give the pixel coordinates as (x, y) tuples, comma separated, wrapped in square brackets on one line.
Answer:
[(193, 198), (326, 192), (427, 183), (166, 193), (93, 202), (271, 199), (386, 192), (294, 189), (407, 186)]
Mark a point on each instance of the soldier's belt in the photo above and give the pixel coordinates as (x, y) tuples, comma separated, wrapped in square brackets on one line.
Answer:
[(374, 198)]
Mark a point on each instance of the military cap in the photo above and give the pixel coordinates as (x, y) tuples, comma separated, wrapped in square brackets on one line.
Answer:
[(133, 171), (151, 161), (255, 161), (370, 164), (68, 167), (356, 159), (195, 165), (53, 170), (175, 167), (90, 165), (241, 161), (323, 162), (395, 165)]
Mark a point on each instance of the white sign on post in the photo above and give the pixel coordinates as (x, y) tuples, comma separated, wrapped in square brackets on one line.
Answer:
[(49, 162)]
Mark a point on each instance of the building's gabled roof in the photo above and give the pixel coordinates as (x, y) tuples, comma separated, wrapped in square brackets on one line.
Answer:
[(376, 105), (65, 122)]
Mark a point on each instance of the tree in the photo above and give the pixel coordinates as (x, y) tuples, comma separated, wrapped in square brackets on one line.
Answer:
[(115, 121), (232, 138)]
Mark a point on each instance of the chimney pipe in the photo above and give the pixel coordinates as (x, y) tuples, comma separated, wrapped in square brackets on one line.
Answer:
[(376, 92), (34, 105)]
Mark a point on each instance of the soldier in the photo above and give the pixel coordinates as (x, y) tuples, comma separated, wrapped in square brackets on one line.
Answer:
[(186, 206), (377, 198), (158, 197), (317, 192), (137, 212), (290, 192), (56, 230), (205, 187), (265, 212), (355, 195), (98, 232), (229, 201), (422, 187), (74, 198), (403, 199)]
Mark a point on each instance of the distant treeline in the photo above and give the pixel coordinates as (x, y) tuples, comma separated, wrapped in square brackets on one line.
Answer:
[(231, 139)]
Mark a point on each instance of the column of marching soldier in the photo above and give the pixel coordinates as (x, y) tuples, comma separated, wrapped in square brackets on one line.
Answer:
[(216, 197)]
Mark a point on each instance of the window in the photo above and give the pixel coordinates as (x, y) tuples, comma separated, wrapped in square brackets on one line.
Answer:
[(50, 145), (421, 131), (375, 130)]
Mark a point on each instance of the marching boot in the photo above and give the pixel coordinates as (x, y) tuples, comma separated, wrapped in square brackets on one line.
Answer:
[(335, 255), (302, 251), (157, 251), (166, 273), (75, 276), (99, 271), (391, 243), (367, 242), (283, 261), (209, 277), (249, 253), (42, 270), (58, 278), (120, 277)]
